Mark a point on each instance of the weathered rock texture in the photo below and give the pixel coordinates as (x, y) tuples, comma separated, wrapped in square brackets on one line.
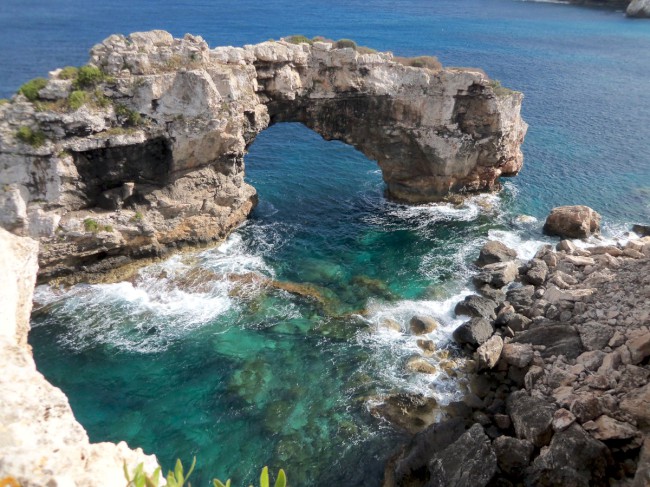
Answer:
[(639, 9), (155, 155), (41, 443), (565, 398)]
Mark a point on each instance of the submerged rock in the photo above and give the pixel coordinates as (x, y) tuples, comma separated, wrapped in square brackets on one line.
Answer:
[(421, 325)]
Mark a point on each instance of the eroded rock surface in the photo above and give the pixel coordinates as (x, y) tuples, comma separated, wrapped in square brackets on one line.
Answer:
[(153, 158), (42, 444)]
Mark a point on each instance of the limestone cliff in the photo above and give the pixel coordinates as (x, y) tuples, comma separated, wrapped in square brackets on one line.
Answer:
[(150, 155), (41, 443)]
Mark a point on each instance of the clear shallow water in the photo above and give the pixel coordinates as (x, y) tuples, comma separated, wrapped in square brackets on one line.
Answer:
[(209, 355)]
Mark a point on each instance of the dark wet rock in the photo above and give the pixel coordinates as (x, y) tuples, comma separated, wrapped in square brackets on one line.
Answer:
[(573, 459), (493, 252), (518, 322), (413, 465), (473, 332), (536, 272), (531, 417), (497, 275), (556, 340), (410, 412), (521, 298), (421, 325), (469, 461), (477, 306), (572, 222), (641, 230), (496, 295), (513, 454)]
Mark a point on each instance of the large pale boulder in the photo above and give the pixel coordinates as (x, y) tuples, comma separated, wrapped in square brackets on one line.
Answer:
[(572, 222), (639, 9)]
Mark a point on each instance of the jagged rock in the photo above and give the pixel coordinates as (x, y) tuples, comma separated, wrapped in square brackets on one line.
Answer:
[(473, 332), (493, 252), (521, 298), (517, 354), (496, 295), (422, 324), (433, 132), (556, 340), (531, 417), (591, 360), (642, 475), (410, 412), (518, 322), (536, 272), (477, 306), (414, 463), (639, 9), (489, 352), (605, 428), (470, 460), (595, 336), (513, 454), (641, 230), (636, 403), (572, 222), (639, 348), (497, 275), (572, 458), (562, 419)]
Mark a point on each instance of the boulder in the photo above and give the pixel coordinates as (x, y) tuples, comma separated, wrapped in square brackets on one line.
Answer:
[(470, 460), (474, 332), (531, 417), (493, 252), (513, 454), (427, 346), (572, 222), (517, 354), (489, 352), (641, 230), (573, 458), (418, 364), (557, 340), (605, 428), (477, 306), (497, 275), (422, 324), (536, 272), (562, 419), (521, 297), (639, 348), (636, 403), (639, 9)]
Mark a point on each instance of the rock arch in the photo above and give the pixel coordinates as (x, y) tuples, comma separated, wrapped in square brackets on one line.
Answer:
[(162, 139)]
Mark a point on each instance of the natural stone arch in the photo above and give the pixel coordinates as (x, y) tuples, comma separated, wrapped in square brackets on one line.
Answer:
[(432, 132)]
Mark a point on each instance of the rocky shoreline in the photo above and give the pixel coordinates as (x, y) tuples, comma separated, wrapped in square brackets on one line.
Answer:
[(559, 347)]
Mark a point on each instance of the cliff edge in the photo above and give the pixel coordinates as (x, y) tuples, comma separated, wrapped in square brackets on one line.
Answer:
[(42, 444), (142, 151)]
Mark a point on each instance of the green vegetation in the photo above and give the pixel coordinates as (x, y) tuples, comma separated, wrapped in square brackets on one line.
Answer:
[(69, 72), (35, 138), (366, 50), (76, 99), (428, 62), (137, 217), (345, 43), (178, 477), (92, 226), (31, 88), (128, 116), (88, 77), (298, 39), (500, 90)]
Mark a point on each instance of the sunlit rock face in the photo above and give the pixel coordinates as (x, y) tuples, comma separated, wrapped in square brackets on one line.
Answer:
[(154, 157)]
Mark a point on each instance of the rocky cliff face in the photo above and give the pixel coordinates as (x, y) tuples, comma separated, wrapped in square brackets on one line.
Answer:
[(41, 442), (148, 155), (639, 9)]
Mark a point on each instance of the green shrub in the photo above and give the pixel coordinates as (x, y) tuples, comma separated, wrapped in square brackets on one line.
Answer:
[(77, 98), (101, 100), (500, 90), (35, 138), (137, 217), (88, 77), (366, 50), (298, 39), (91, 225), (280, 481), (429, 62), (345, 43), (31, 88), (69, 72), (128, 116)]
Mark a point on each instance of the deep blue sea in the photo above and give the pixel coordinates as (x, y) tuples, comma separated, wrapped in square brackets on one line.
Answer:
[(182, 361)]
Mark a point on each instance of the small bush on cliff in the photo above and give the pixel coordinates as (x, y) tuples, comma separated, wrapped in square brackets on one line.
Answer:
[(76, 99), (91, 225), (345, 43), (69, 72), (298, 39), (35, 138), (500, 90), (429, 62), (31, 88), (88, 77), (128, 116)]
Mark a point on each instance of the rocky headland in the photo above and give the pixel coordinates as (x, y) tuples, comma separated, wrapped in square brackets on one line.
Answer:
[(142, 151), (41, 442), (559, 362)]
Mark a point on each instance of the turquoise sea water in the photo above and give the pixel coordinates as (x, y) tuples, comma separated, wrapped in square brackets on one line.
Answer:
[(208, 355)]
